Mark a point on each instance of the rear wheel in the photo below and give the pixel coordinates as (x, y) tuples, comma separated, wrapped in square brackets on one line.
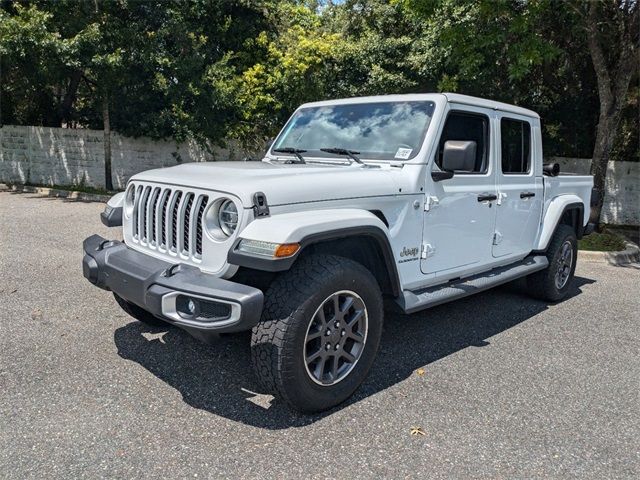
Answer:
[(553, 283), (139, 313), (319, 333)]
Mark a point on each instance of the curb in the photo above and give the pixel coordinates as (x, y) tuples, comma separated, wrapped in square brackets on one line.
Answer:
[(631, 254), (56, 193)]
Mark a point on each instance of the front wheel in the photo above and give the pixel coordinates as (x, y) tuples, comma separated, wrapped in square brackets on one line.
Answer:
[(319, 332), (553, 283)]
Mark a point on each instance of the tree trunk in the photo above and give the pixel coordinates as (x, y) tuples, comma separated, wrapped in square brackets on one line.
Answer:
[(613, 83), (605, 137), (108, 184), (70, 97)]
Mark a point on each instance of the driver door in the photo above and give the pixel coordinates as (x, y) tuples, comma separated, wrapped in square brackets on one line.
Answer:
[(460, 212)]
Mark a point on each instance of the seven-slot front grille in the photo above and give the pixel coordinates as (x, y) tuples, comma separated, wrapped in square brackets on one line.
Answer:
[(168, 219)]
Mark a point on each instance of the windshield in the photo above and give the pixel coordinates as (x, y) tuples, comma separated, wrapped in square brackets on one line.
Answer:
[(378, 131)]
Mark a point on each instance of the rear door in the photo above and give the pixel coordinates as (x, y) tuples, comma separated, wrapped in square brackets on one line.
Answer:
[(459, 223), (519, 186)]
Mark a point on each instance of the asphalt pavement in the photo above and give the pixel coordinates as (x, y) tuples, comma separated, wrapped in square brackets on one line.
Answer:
[(502, 386)]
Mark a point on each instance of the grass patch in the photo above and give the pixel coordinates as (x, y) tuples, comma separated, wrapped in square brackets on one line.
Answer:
[(602, 242)]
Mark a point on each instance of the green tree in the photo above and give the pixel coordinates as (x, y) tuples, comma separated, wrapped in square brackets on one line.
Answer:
[(291, 63), (236, 69), (27, 44), (378, 43), (542, 54), (612, 30), (142, 68), (316, 52)]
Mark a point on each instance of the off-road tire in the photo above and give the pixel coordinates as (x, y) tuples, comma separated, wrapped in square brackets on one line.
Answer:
[(278, 341), (139, 313), (542, 284)]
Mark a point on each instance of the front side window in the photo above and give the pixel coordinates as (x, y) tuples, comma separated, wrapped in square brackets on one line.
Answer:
[(515, 145), (467, 126), (379, 131)]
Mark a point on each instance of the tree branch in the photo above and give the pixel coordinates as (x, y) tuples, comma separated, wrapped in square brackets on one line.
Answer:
[(577, 10), (626, 64), (90, 83), (597, 56), (627, 61)]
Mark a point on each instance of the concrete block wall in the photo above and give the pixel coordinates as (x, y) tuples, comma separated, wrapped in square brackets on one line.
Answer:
[(622, 194), (61, 156)]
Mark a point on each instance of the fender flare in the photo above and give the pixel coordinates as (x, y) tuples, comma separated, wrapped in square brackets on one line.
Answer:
[(552, 216), (112, 214), (117, 200), (309, 228)]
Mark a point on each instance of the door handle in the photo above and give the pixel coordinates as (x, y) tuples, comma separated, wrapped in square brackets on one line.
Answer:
[(527, 194), (484, 197)]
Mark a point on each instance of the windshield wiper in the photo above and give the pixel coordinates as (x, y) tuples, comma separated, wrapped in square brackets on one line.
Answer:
[(293, 151), (343, 151)]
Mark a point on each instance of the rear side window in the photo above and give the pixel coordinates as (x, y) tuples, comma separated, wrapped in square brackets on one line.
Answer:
[(469, 127), (515, 145)]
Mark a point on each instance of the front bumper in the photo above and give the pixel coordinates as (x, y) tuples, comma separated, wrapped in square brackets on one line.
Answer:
[(155, 285)]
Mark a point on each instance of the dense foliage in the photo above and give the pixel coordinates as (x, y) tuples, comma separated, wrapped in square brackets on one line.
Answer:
[(236, 69)]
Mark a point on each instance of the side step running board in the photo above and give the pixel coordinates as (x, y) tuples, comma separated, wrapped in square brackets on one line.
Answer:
[(412, 301)]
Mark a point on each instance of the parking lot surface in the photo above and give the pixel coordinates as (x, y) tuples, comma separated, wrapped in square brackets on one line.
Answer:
[(511, 387)]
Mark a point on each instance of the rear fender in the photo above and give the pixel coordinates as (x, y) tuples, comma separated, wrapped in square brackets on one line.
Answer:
[(553, 214)]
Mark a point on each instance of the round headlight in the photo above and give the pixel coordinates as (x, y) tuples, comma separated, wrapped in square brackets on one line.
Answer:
[(228, 217)]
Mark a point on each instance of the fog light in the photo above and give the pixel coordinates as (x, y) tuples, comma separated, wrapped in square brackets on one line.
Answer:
[(186, 307), (191, 307)]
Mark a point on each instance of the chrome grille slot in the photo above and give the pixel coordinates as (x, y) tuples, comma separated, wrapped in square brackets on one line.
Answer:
[(203, 205), (151, 216), (163, 218), (142, 213), (175, 206), (186, 244), (134, 219), (169, 220)]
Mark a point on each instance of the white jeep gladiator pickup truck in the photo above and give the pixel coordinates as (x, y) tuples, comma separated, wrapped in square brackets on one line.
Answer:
[(421, 198)]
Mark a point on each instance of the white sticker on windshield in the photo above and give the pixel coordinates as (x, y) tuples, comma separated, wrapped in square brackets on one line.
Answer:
[(403, 153)]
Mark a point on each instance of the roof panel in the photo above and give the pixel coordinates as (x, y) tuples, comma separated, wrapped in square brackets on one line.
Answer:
[(437, 97)]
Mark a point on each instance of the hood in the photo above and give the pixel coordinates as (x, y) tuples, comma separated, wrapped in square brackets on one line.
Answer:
[(283, 183)]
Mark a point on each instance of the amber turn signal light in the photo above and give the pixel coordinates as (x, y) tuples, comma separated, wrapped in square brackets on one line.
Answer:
[(286, 250)]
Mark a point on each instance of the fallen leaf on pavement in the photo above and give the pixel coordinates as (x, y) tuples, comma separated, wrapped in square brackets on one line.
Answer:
[(420, 371), (154, 336), (261, 400), (417, 431)]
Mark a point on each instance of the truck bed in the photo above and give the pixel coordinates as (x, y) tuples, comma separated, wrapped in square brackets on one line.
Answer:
[(572, 184)]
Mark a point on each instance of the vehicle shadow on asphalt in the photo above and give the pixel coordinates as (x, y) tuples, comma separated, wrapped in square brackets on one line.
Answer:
[(218, 378)]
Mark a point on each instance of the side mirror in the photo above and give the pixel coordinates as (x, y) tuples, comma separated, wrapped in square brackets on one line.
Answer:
[(459, 155), (439, 175), (551, 169)]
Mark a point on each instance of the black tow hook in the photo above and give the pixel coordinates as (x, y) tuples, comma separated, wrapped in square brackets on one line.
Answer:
[(172, 270), (105, 244)]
